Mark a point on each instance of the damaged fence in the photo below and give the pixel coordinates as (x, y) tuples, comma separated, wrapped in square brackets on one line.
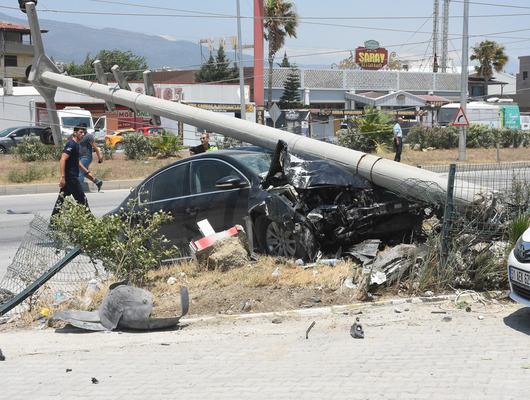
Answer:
[(35, 257)]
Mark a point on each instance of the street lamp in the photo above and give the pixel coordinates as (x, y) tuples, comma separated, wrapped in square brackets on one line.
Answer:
[(22, 4)]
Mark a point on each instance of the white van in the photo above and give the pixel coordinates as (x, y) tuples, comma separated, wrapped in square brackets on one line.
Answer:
[(69, 117), (477, 113)]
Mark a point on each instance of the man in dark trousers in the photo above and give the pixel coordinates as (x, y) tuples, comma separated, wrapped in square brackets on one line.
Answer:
[(69, 166), (398, 139)]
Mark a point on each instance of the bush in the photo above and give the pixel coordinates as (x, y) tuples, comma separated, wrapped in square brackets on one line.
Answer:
[(136, 146), (352, 139), (32, 149), (107, 151), (438, 137), (165, 145), (481, 136), (128, 244)]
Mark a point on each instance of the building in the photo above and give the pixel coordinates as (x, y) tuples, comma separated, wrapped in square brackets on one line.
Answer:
[(523, 84), (16, 51)]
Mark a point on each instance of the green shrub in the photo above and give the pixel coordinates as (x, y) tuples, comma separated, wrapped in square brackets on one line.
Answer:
[(136, 146), (107, 151), (165, 145), (438, 137), (128, 244), (481, 136), (352, 139), (32, 149)]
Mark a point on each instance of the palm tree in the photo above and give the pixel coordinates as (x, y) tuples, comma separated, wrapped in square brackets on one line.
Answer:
[(490, 56), (280, 20)]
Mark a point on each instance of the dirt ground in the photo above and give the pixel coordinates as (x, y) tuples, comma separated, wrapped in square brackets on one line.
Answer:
[(120, 168)]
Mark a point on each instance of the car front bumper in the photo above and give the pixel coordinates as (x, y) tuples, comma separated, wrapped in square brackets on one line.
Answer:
[(518, 291)]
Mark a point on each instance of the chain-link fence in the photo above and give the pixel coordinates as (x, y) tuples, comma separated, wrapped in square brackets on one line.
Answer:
[(37, 253)]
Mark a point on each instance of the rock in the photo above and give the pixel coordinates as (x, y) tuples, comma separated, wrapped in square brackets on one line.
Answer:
[(277, 321), (447, 318), (171, 280), (428, 293), (348, 282), (416, 147), (95, 381), (480, 317), (225, 254), (468, 309), (356, 330), (2, 357), (430, 148), (398, 310)]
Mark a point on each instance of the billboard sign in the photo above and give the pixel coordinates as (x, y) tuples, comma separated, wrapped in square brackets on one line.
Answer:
[(371, 56)]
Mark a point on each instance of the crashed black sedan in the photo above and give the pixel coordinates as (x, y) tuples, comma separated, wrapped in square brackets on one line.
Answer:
[(296, 206)]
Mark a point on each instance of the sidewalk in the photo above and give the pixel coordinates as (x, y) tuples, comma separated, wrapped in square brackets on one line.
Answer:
[(412, 354), (54, 187)]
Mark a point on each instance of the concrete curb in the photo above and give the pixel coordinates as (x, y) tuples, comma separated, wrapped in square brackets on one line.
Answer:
[(333, 310), (54, 187)]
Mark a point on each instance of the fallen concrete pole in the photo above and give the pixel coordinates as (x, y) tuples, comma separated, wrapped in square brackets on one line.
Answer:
[(400, 178)]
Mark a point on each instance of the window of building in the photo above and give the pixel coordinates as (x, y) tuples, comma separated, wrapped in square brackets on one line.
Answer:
[(525, 75), (10, 61)]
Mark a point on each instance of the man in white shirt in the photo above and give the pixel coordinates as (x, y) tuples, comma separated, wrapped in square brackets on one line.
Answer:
[(398, 140)]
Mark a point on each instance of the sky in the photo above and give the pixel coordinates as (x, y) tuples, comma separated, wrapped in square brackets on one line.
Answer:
[(327, 32)]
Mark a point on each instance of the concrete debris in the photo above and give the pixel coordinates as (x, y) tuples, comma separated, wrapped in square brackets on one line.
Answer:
[(389, 265), (356, 330), (225, 254)]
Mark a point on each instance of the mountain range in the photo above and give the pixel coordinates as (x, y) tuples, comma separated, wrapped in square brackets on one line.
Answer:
[(69, 42)]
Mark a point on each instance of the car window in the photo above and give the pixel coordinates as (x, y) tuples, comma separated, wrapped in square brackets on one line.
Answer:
[(204, 174), (21, 133), (170, 183)]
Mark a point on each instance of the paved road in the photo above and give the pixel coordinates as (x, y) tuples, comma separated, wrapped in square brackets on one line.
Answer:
[(412, 355), (14, 226)]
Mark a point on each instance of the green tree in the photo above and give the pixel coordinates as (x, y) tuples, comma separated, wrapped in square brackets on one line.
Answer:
[(218, 69), (371, 130), (285, 62), (491, 57), (127, 61), (291, 92), (280, 21)]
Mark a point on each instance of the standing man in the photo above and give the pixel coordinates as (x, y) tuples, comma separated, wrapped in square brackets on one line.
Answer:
[(398, 140), (69, 166), (87, 145), (204, 146)]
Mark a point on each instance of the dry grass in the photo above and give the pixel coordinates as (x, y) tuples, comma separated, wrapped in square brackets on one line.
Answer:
[(122, 169)]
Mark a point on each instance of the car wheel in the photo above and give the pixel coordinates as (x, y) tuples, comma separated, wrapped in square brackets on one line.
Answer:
[(3, 150), (275, 240)]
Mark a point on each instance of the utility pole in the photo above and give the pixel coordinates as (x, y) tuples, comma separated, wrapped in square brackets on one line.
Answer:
[(435, 18), (241, 70), (445, 35), (463, 81), (259, 95)]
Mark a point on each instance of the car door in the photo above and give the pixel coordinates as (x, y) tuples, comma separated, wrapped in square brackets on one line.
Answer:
[(223, 208), (18, 135), (169, 191)]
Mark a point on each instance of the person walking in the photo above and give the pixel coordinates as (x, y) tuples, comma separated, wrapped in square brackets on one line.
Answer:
[(87, 145), (398, 140), (69, 166)]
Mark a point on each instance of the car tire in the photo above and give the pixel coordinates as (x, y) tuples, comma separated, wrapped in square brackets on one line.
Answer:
[(275, 240), (3, 150)]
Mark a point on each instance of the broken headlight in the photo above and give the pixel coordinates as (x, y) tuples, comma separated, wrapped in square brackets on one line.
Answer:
[(521, 251)]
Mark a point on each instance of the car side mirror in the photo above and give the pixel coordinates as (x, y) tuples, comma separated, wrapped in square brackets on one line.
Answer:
[(230, 182)]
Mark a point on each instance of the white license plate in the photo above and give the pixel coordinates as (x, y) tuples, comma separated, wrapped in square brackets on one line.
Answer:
[(521, 277)]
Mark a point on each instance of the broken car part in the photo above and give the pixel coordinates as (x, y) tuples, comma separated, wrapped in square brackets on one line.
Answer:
[(309, 329), (124, 307), (356, 330)]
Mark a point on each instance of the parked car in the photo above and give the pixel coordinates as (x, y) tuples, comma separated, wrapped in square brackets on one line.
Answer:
[(296, 206), (115, 139), (11, 137), (519, 270)]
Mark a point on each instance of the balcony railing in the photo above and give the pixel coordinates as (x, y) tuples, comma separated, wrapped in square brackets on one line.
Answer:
[(368, 80), (15, 48)]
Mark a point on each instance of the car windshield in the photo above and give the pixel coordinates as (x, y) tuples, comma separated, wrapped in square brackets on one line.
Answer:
[(76, 121), (259, 163), (6, 132)]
